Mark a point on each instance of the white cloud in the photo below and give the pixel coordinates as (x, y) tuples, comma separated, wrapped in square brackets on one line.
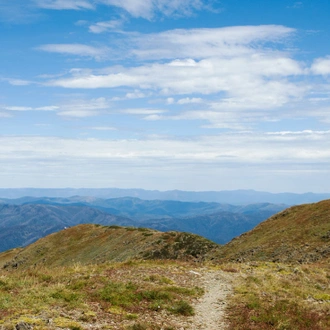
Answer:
[(216, 119), (185, 164), (100, 27), (240, 71), (231, 64), (102, 128), (14, 108), (48, 108), (304, 132), (23, 108), (201, 60), (189, 100), (207, 76), (84, 108), (149, 8), (76, 49), (64, 4), (74, 108), (136, 95), (321, 66), (209, 42), (246, 83), (240, 148), (138, 111), (19, 82)]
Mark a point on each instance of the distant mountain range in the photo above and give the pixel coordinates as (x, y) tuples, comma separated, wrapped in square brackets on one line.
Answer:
[(300, 234), (21, 225), (24, 220), (236, 197)]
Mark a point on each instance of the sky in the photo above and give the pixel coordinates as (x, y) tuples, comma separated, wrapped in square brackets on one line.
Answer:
[(183, 94)]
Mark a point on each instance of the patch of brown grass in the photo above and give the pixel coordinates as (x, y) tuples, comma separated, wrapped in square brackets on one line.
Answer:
[(121, 294), (279, 296)]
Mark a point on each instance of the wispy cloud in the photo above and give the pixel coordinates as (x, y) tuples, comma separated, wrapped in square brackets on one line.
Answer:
[(216, 42), (81, 108), (25, 108), (149, 8), (105, 26), (228, 157), (321, 66), (102, 128), (18, 12), (236, 65), (17, 82), (64, 4), (143, 111), (190, 100), (241, 77), (296, 5), (76, 49), (241, 148)]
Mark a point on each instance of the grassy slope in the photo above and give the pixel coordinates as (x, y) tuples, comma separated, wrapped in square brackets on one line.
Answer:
[(74, 278), (132, 295), (97, 244), (279, 296), (299, 234), (284, 272)]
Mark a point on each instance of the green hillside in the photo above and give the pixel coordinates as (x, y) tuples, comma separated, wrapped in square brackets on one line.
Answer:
[(87, 244), (300, 234)]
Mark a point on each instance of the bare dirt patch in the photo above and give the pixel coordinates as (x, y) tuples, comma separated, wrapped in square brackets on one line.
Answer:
[(210, 308)]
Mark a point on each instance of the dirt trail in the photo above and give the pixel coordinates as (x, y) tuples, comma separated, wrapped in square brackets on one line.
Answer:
[(210, 309)]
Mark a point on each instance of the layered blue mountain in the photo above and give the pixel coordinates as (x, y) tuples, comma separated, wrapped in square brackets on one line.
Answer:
[(236, 197), (24, 220)]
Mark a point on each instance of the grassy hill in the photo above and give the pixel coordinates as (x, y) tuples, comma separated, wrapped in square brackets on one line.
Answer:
[(86, 244), (103, 277), (284, 271), (300, 234)]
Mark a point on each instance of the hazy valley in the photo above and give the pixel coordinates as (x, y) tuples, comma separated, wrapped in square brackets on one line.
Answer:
[(26, 219)]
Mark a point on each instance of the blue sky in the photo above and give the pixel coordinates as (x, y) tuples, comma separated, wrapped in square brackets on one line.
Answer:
[(155, 94)]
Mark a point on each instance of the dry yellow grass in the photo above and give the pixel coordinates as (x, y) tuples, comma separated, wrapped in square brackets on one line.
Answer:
[(117, 295), (300, 234), (280, 296)]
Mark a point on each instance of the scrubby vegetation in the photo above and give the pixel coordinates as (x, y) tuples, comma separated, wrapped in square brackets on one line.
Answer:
[(98, 244), (280, 296), (126, 295), (299, 234)]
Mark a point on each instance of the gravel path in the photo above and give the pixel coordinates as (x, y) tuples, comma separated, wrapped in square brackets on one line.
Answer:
[(210, 309)]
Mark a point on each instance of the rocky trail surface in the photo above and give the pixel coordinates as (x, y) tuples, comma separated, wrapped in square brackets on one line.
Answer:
[(210, 309)]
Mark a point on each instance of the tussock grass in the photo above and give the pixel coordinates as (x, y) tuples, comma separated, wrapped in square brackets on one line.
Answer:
[(280, 296), (74, 297)]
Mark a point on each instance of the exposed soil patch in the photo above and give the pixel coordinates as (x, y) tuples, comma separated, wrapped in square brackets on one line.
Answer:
[(210, 309)]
